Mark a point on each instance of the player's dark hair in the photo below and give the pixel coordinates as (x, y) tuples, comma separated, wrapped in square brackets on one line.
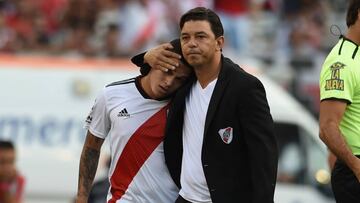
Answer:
[(201, 13), (6, 145), (145, 68), (352, 12)]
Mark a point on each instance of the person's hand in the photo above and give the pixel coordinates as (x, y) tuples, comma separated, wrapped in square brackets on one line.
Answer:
[(331, 160), (81, 199), (161, 58), (356, 170)]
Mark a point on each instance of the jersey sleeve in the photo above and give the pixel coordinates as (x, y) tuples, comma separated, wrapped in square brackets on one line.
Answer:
[(98, 120), (337, 82)]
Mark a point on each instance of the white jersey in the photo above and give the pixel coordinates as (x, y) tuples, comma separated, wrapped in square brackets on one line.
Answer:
[(135, 126)]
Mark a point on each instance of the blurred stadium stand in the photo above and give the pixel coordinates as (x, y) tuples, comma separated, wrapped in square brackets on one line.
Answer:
[(284, 35)]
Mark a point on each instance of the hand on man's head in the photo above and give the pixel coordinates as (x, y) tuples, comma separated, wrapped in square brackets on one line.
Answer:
[(162, 58)]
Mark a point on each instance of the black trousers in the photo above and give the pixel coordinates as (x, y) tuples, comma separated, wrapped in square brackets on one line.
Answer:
[(181, 200), (344, 183)]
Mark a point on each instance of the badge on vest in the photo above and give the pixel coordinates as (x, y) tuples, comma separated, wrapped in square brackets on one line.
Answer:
[(226, 134)]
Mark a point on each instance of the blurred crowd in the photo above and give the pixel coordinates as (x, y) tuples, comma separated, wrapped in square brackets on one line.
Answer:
[(291, 35), (104, 28), (116, 28)]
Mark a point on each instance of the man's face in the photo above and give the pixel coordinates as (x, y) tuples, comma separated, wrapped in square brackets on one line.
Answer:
[(198, 42), (7, 164), (163, 84)]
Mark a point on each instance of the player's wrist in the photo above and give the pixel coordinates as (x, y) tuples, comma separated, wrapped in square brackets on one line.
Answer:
[(353, 163), (81, 199)]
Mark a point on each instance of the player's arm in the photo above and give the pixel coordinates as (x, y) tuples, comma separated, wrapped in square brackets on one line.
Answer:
[(158, 57), (88, 164), (331, 113), (331, 160)]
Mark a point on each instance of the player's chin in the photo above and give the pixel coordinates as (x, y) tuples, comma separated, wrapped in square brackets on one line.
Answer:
[(159, 95)]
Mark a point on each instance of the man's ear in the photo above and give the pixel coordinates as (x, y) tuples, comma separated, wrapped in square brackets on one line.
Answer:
[(220, 43)]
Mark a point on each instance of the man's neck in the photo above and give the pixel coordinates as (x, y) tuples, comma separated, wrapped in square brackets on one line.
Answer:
[(145, 85), (354, 33), (208, 72)]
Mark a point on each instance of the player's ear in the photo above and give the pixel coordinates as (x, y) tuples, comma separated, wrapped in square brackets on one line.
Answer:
[(219, 43)]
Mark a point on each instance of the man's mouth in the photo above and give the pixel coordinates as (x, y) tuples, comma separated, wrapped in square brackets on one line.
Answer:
[(163, 89), (193, 53)]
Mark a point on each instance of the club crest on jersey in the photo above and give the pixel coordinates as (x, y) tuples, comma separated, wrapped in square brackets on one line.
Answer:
[(335, 83), (226, 134)]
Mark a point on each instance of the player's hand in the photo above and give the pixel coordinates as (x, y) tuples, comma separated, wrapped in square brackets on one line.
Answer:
[(81, 199), (161, 58)]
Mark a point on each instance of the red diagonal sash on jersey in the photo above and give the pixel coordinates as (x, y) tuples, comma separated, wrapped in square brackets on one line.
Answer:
[(136, 151)]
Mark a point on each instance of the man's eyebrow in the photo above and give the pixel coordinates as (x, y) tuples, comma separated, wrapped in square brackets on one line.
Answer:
[(201, 32), (196, 33), (182, 77)]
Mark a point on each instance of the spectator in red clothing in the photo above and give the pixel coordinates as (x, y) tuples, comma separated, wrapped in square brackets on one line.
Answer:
[(53, 11), (11, 182), (21, 21), (7, 36), (235, 16)]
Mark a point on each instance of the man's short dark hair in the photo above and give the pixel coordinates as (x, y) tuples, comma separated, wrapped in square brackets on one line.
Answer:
[(201, 13), (6, 145), (352, 12)]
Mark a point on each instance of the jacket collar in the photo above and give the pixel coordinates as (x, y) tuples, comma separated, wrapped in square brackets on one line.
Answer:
[(221, 84)]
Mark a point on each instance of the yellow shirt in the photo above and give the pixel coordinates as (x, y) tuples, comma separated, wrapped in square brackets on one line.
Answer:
[(340, 79)]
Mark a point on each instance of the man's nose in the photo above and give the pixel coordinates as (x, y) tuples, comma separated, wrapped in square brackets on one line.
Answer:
[(192, 42), (169, 81)]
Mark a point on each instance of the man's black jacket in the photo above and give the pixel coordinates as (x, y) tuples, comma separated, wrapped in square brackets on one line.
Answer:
[(245, 169)]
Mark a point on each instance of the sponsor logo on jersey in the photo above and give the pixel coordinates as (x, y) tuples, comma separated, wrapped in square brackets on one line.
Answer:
[(123, 113), (89, 117), (226, 134), (335, 83)]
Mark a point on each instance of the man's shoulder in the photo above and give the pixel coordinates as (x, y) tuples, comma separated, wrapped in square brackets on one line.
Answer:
[(238, 74), (122, 88), (121, 82), (339, 63), (345, 52)]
